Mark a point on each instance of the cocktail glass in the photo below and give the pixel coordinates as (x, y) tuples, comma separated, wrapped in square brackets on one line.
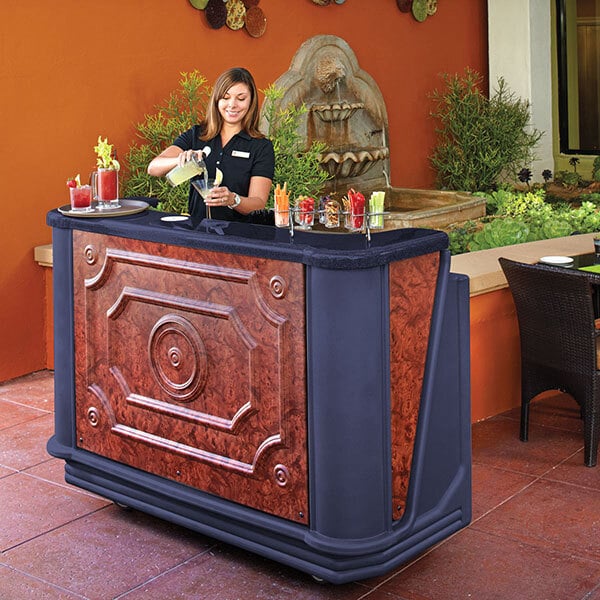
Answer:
[(203, 187), (81, 198)]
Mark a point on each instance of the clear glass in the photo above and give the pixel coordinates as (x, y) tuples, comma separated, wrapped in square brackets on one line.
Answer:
[(81, 198), (305, 215), (105, 185), (203, 186), (331, 214), (356, 218), (376, 204), (282, 218)]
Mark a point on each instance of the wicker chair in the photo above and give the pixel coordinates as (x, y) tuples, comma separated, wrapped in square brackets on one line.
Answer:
[(555, 311)]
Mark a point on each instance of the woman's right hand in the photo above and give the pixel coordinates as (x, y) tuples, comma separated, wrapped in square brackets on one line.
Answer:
[(171, 157), (187, 155)]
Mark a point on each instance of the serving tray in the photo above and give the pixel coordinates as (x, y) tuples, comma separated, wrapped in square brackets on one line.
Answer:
[(128, 207)]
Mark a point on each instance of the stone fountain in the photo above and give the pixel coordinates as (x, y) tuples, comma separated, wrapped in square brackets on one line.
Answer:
[(347, 113)]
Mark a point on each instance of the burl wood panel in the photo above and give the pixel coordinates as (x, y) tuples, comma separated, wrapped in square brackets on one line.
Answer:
[(190, 365), (412, 291)]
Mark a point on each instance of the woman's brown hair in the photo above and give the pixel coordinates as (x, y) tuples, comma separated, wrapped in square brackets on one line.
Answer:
[(214, 120)]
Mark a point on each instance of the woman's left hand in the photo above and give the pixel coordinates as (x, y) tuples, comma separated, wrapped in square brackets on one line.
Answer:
[(219, 196)]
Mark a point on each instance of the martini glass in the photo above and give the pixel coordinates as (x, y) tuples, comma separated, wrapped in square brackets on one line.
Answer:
[(203, 187)]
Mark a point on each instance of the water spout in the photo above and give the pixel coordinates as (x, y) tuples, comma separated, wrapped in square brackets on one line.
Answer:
[(387, 178)]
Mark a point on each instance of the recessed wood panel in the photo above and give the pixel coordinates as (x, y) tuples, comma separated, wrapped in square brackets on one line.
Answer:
[(190, 365), (412, 291)]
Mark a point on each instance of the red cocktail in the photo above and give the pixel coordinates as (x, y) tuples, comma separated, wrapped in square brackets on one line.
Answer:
[(81, 198), (107, 182)]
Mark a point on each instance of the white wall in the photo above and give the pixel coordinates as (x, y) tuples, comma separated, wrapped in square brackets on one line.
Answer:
[(519, 37)]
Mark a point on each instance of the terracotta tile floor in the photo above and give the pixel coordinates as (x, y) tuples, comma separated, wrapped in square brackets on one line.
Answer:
[(535, 532)]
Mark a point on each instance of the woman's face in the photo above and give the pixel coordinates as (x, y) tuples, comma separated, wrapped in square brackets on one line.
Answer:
[(234, 105)]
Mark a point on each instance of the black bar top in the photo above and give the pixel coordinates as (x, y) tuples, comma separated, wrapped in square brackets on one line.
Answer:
[(325, 250)]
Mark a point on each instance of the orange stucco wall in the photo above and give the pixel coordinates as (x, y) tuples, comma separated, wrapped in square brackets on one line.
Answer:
[(72, 70), (495, 355)]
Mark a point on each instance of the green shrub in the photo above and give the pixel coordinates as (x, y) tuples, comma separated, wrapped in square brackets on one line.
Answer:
[(568, 178), (186, 106), (182, 109), (461, 235), (500, 232), (294, 163), (596, 169), (481, 141), (524, 217)]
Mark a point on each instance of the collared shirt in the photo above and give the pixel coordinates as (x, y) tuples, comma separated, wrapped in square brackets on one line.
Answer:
[(242, 157)]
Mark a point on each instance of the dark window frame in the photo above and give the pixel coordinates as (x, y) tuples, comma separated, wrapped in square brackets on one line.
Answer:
[(563, 98), (563, 85)]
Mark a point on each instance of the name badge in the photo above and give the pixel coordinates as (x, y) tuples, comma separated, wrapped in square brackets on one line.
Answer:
[(240, 154)]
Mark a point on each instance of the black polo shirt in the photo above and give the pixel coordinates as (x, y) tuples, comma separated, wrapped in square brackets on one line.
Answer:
[(242, 158)]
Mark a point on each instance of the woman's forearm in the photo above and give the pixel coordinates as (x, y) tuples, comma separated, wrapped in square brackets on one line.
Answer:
[(258, 194), (165, 161)]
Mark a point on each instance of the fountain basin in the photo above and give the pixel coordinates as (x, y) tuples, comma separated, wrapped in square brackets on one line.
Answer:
[(336, 112), (435, 209), (351, 163)]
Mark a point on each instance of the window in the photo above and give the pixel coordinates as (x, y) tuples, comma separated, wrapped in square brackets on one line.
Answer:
[(578, 36)]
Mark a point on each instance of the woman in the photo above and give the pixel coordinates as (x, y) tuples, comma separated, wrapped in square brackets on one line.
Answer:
[(238, 149)]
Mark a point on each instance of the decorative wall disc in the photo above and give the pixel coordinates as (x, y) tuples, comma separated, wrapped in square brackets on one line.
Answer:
[(236, 14), (216, 13), (256, 21), (404, 5), (419, 10)]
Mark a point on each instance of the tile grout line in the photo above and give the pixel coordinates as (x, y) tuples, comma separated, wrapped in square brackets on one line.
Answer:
[(45, 582), (164, 573), (536, 479), (52, 529), (62, 484), (474, 521)]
